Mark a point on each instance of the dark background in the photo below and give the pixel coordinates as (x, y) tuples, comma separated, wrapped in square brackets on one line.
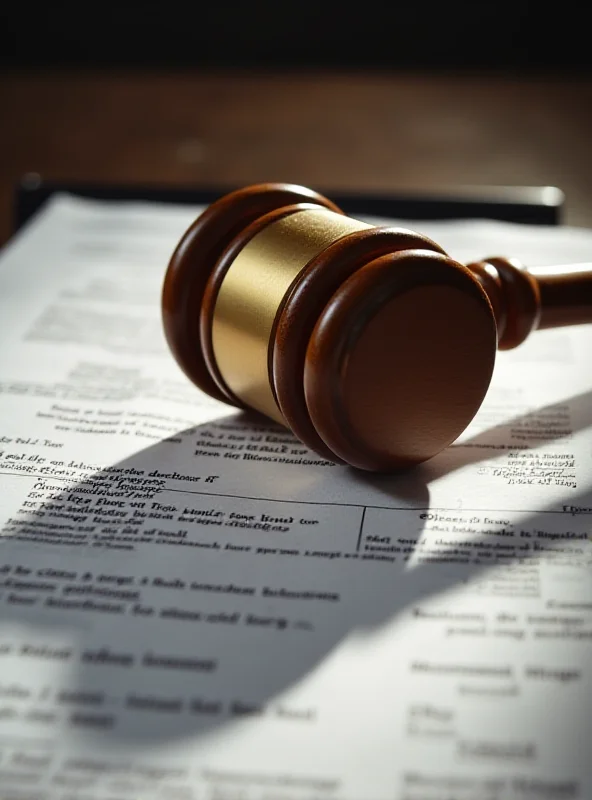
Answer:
[(351, 97), (503, 35)]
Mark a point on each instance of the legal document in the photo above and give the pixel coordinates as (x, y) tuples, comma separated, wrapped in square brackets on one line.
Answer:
[(193, 606)]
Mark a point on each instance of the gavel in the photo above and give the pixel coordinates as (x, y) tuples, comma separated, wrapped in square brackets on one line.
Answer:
[(372, 345)]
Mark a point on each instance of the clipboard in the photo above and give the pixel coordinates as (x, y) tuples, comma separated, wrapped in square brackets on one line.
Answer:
[(534, 205)]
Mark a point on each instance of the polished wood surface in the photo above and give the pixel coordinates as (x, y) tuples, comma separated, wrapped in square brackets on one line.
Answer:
[(388, 342), (365, 131)]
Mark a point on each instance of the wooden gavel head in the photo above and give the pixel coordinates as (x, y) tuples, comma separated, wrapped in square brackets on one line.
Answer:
[(370, 343)]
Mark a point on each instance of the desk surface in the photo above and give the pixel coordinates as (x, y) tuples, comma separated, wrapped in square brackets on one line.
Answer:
[(368, 132)]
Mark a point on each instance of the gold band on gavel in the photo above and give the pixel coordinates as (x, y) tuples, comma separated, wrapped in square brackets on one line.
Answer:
[(251, 294)]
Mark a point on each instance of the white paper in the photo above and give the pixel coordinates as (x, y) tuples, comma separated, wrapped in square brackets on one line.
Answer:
[(194, 606)]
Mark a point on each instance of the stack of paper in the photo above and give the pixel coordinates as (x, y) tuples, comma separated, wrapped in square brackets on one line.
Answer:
[(195, 607)]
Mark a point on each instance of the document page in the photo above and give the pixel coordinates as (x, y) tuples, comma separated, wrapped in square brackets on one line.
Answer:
[(193, 606)]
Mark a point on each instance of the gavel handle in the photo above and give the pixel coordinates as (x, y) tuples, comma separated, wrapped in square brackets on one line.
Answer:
[(566, 294), (524, 300)]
